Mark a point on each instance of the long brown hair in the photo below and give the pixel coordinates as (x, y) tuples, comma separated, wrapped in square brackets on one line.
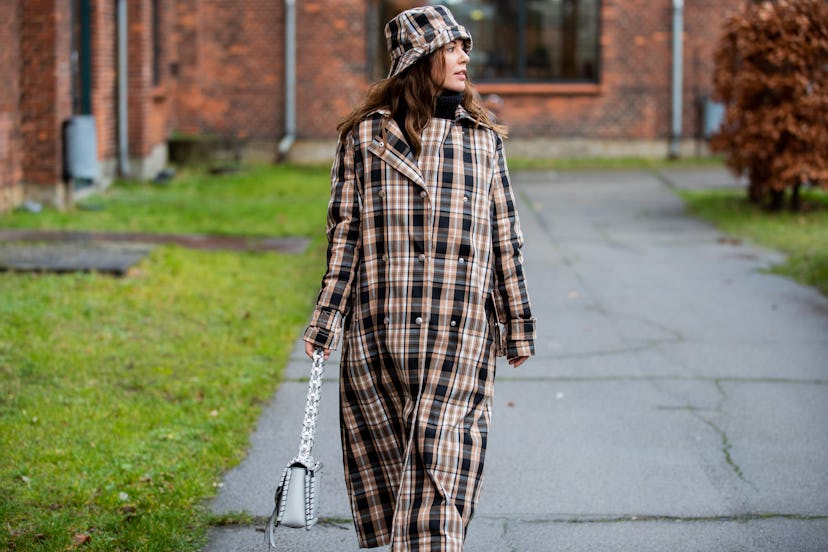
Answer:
[(414, 93)]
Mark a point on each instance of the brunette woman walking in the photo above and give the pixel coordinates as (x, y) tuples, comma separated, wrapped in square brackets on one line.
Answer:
[(424, 273)]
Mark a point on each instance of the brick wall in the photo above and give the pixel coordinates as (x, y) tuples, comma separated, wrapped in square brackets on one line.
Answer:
[(632, 100), (231, 68), (222, 72), (105, 78), (10, 140), (162, 92), (231, 73), (332, 72), (189, 99), (35, 56), (141, 91), (45, 96)]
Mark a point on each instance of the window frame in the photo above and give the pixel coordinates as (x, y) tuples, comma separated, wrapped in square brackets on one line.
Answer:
[(506, 85), (156, 38), (81, 69)]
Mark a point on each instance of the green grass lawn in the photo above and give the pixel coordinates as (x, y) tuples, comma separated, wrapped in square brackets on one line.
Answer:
[(123, 400), (259, 200), (802, 236)]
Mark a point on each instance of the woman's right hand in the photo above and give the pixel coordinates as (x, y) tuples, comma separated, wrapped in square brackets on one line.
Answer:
[(309, 348)]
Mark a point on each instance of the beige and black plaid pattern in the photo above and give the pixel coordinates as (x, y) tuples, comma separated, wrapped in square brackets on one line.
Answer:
[(423, 257), (417, 32)]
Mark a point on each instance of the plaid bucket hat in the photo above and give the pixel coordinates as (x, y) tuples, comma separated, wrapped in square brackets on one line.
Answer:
[(415, 33)]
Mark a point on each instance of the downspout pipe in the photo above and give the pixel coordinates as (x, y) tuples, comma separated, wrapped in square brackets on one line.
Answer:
[(85, 48), (290, 79), (123, 136), (678, 73)]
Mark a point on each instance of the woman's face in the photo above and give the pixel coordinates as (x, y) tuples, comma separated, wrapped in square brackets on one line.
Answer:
[(450, 75)]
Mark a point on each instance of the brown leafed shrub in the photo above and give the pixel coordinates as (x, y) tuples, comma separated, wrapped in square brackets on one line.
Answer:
[(772, 74)]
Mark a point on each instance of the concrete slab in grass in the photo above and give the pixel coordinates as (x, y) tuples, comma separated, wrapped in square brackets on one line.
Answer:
[(72, 257)]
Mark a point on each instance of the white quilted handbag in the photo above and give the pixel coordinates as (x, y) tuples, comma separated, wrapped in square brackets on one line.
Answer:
[(296, 495)]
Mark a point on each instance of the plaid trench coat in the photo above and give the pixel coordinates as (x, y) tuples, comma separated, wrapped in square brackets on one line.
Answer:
[(425, 274)]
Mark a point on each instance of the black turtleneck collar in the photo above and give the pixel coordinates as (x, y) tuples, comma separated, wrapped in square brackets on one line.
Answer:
[(446, 105), (445, 108)]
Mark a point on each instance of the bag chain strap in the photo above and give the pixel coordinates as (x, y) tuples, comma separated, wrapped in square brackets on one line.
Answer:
[(312, 406)]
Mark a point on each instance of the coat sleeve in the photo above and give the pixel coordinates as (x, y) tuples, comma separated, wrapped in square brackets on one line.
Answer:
[(511, 296), (344, 245)]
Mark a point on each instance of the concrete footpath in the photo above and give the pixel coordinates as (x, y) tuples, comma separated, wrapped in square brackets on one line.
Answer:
[(678, 400)]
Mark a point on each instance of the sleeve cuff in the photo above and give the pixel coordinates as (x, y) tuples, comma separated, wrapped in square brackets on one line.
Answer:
[(324, 329), (515, 349), (520, 338)]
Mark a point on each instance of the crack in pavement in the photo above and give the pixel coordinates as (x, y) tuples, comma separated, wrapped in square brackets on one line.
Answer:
[(698, 413), (726, 446), (649, 518), (618, 319), (602, 229), (259, 522), (632, 379), (703, 379), (725, 439), (686, 408), (504, 532), (647, 346)]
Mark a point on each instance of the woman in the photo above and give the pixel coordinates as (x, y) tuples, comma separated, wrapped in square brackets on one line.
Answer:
[(423, 262)]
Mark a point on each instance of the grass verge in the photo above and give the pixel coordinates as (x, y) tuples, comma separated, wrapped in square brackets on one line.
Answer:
[(612, 163), (802, 236), (123, 400)]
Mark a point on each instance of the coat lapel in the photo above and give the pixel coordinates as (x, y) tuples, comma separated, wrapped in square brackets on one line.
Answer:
[(463, 114), (397, 153)]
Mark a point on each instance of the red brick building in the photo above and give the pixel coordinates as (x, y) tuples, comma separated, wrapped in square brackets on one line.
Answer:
[(11, 164), (61, 61), (571, 77), (575, 77)]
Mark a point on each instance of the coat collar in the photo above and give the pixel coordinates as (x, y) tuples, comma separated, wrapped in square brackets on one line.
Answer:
[(393, 148), (461, 114)]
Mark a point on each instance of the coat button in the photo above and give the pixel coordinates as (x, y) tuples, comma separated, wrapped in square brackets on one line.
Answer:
[(423, 194), (462, 261), (419, 320), (385, 258), (421, 257), (381, 193), (386, 320), (465, 199), (453, 323)]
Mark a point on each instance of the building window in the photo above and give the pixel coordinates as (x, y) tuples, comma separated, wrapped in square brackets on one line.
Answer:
[(81, 57), (519, 41), (157, 35)]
